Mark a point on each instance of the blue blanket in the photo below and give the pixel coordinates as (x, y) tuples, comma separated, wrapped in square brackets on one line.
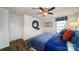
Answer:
[(56, 44), (38, 42)]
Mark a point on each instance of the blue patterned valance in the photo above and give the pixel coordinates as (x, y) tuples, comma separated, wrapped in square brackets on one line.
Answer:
[(61, 18)]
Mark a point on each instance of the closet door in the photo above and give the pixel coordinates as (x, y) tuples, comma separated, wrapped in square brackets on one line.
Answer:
[(4, 28), (15, 27)]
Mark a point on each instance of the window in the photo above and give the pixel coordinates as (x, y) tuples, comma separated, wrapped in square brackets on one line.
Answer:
[(61, 25)]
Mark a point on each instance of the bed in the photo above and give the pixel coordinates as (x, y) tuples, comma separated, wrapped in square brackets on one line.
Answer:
[(48, 42), (75, 41)]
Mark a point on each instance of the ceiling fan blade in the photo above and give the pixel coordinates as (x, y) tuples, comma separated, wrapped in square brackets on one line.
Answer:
[(51, 8), (41, 8), (50, 13)]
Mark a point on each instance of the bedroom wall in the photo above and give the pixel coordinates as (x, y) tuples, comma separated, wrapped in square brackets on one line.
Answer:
[(78, 21), (4, 28), (71, 18), (49, 29), (28, 30), (16, 27)]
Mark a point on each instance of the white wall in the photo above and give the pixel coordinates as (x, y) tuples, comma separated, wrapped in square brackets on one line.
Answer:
[(4, 28), (16, 27), (71, 18), (49, 29), (11, 27), (28, 30)]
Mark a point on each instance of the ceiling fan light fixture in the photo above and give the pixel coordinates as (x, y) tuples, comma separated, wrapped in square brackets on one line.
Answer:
[(45, 13)]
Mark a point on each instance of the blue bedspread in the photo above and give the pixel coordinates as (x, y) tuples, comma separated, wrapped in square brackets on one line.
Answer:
[(56, 44), (48, 42), (38, 42)]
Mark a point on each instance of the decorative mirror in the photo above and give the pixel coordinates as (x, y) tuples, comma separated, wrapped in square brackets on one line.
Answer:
[(35, 24)]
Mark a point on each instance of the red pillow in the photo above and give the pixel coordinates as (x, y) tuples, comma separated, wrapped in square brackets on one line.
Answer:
[(68, 35)]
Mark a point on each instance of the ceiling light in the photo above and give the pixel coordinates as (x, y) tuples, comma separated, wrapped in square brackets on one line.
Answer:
[(45, 13)]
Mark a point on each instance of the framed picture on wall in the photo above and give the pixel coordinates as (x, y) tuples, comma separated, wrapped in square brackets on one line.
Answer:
[(48, 24)]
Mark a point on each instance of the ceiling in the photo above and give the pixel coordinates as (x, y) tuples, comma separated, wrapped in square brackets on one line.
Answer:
[(58, 11)]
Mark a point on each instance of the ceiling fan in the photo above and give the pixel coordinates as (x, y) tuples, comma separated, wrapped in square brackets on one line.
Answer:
[(46, 12)]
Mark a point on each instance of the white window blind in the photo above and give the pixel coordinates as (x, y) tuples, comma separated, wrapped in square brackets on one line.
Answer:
[(61, 25)]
